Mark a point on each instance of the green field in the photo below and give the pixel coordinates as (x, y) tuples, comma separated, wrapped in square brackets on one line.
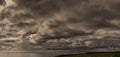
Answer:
[(112, 54)]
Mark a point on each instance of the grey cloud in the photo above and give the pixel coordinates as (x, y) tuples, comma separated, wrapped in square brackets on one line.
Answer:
[(35, 22)]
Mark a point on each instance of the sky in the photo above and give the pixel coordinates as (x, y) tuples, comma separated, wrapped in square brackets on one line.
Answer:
[(57, 23)]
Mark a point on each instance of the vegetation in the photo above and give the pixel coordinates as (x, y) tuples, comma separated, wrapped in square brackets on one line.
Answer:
[(113, 54)]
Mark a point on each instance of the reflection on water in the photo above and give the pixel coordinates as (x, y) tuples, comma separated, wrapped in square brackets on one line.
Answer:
[(21, 55), (39, 53)]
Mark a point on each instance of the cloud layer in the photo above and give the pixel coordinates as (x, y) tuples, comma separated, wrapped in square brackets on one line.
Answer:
[(41, 23)]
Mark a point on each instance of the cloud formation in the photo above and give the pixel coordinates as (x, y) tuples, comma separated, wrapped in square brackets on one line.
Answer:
[(38, 22)]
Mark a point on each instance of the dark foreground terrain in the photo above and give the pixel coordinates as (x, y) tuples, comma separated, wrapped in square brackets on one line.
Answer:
[(113, 54)]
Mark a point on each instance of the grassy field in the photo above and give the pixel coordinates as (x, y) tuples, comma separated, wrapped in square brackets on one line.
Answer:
[(112, 54)]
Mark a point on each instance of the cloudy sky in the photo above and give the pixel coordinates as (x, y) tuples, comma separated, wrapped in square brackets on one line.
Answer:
[(59, 24)]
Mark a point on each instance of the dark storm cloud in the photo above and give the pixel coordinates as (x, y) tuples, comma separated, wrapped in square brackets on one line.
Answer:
[(79, 10), (47, 7), (99, 12)]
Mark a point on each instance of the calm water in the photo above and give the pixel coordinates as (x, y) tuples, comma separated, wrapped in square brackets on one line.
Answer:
[(39, 53), (21, 55)]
